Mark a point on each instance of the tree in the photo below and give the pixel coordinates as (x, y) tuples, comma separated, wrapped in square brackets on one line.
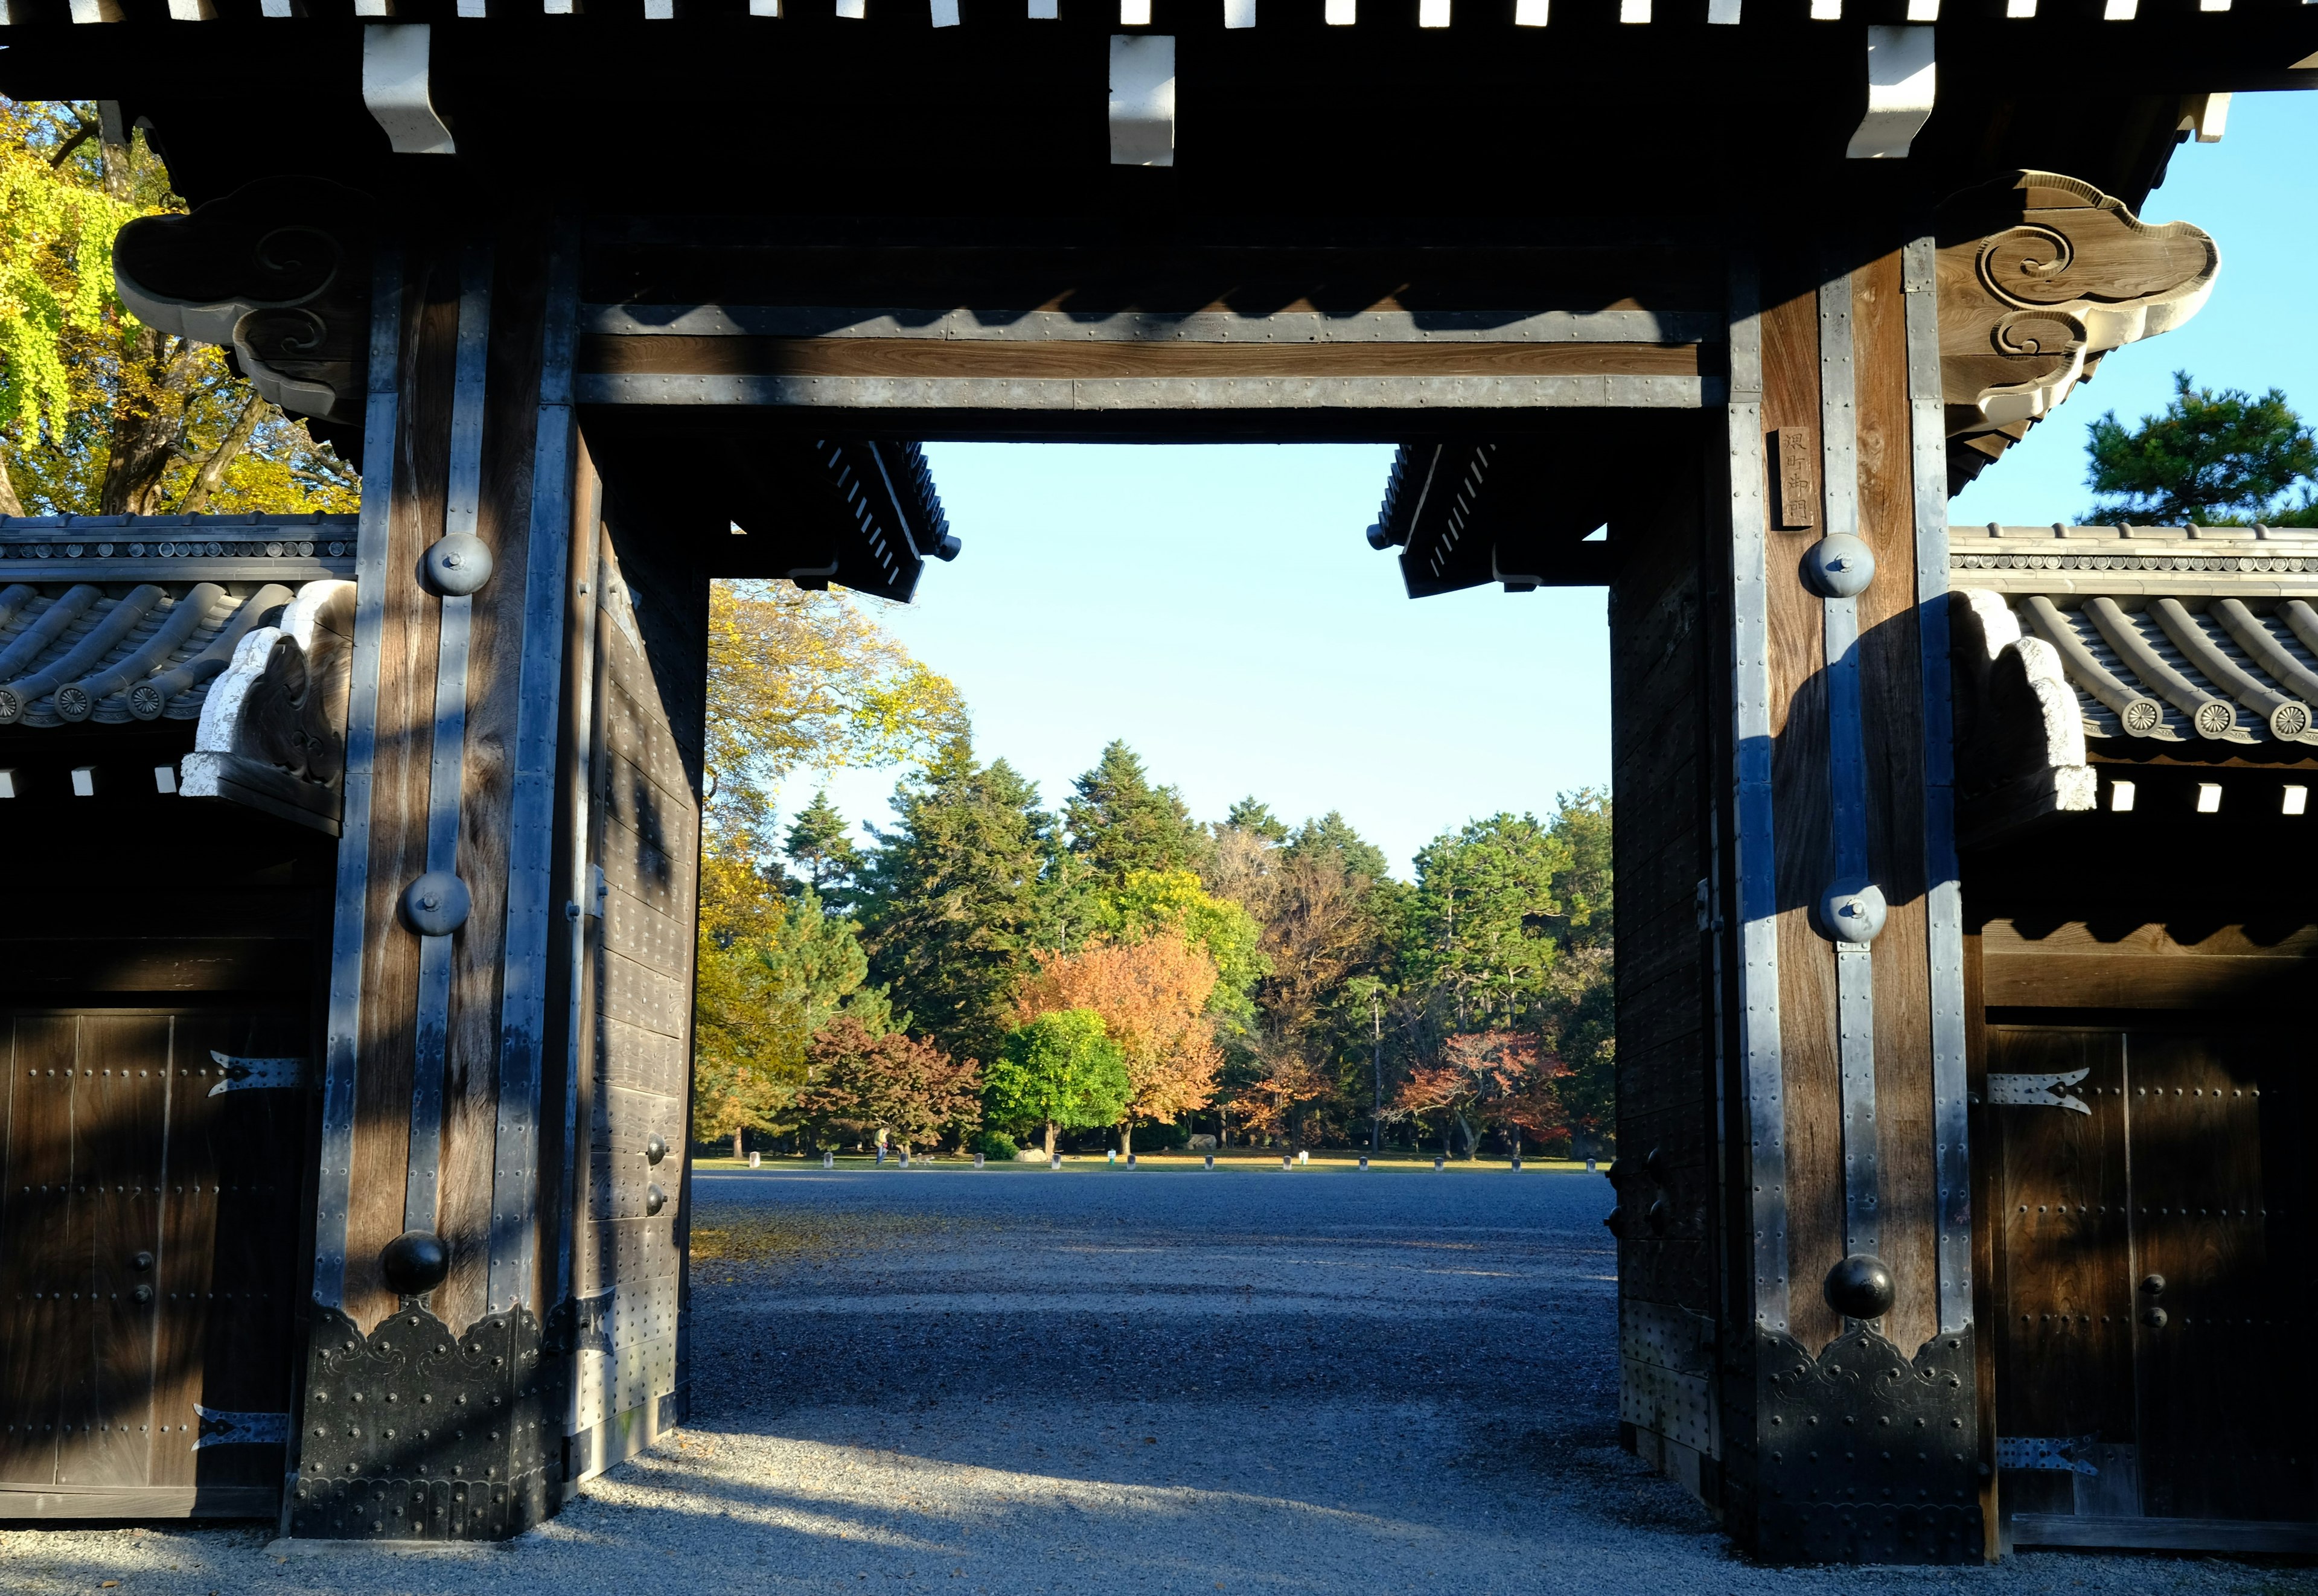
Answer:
[(1146, 902), (819, 845), (866, 1081), (1061, 1070), (949, 903), (1255, 817), (772, 969), (100, 414), (1482, 1075), (1119, 822), (804, 680), (2210, 458), (1152, 997)]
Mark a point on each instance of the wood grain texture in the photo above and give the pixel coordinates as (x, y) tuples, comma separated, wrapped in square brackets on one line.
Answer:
[(1892, 700), (1802, 831), (33, 1260), (1665, 1055), (939, 358), (2069, 966), (494, 671), (398, 837), (1986, 1194)]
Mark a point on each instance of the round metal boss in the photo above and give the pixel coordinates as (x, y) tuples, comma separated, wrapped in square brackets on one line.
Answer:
[(1852, 911), (1839, 566), (458, 563), (655, 1199), (435, 904), (415, 1262), (1860, 1287), (655, 1148)]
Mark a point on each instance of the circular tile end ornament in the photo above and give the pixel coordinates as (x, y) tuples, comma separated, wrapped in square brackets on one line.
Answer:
[(435, 904)]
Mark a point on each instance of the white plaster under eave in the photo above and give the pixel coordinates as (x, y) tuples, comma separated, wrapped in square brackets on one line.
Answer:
[(1902, 81)]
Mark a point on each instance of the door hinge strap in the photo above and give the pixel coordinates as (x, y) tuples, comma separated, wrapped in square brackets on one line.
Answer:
[(2038, 1091), (258, 1074), (2045, 1451), (218, 1428)]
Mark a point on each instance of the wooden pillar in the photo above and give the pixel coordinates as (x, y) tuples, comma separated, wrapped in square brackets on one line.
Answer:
[(1847, 1396), (431, 1279)]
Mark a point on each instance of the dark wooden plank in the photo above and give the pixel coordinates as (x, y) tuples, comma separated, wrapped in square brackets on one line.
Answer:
[(399, 791), (494, 676), (230, 1246), (114, 1220), (69, 968), (32, 1263), (130, 1502), (1801, 828), (967, 358), (1987, 1197), (2240, 1536), (1890, 682), (2064, 1292), (2223, 1436)]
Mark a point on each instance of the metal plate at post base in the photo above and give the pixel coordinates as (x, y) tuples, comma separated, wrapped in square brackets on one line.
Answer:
[(1865, 1456), (413, 1433)]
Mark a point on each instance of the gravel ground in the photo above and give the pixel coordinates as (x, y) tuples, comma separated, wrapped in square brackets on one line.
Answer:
[(1020, 1381)]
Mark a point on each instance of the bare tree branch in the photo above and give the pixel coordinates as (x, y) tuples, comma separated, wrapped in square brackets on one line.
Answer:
[(78, 137), (213, 470)]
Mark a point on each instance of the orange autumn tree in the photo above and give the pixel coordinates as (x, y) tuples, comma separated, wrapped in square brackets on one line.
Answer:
[(1480, 1076), (1153, 998)]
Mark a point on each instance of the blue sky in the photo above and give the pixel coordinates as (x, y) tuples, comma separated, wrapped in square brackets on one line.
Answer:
[(1217, 608)]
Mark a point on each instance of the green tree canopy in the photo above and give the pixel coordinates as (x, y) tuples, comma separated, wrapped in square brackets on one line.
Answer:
[(1119, 822), (822, 849), (1060, 1071), (2209, 458), (1253, 816), (949, 901)]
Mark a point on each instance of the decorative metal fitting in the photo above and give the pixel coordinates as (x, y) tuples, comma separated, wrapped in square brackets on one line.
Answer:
[(415, 1262), (458, 563), (1860, 1287), (655, 1199), (436, 904), (655, 1148), (1838, 566), (1852, 911)]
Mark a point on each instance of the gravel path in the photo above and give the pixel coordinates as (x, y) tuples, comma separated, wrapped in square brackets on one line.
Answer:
[(1021, 1381)]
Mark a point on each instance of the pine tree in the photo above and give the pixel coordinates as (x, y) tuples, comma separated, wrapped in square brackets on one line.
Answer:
[(818, 845), (1120, 823), (949, 903), (2209, 458), (1252, 815)]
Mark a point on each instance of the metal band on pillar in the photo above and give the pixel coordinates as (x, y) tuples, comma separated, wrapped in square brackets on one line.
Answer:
[(1752, 863), (1943, 895), (450, 563), (1841, 569), (333, 1193), (531, 831)]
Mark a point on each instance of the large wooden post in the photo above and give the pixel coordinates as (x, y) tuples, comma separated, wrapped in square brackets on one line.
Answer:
[(1849, 1401), (431, 1407)]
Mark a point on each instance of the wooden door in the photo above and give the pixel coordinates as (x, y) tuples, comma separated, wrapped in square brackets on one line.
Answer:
[(2222, 1260), (148, 1245), (2149, 1256)]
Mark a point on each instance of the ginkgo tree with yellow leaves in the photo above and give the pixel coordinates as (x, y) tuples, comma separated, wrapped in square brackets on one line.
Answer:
[(100, 414)]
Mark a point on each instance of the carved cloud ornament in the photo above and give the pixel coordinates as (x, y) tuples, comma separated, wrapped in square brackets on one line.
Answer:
[(279, 273), (2039, 276)]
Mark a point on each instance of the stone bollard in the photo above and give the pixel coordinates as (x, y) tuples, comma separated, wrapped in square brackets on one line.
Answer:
[(1516, 1164), (1056, 1161), (1364, 1164), (1440, 1160), (977, 1160), (1130, 1161), (829, 1160), (1287, 1162), (906, 1157), (1211, 1161), (1589, 1166), (755, 1160)]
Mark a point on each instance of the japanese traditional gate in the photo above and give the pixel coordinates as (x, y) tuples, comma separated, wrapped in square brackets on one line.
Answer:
[(1742, 287)]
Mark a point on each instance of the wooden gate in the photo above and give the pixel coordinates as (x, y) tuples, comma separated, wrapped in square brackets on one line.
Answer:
[(2151, 1248), (149, 1199)]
